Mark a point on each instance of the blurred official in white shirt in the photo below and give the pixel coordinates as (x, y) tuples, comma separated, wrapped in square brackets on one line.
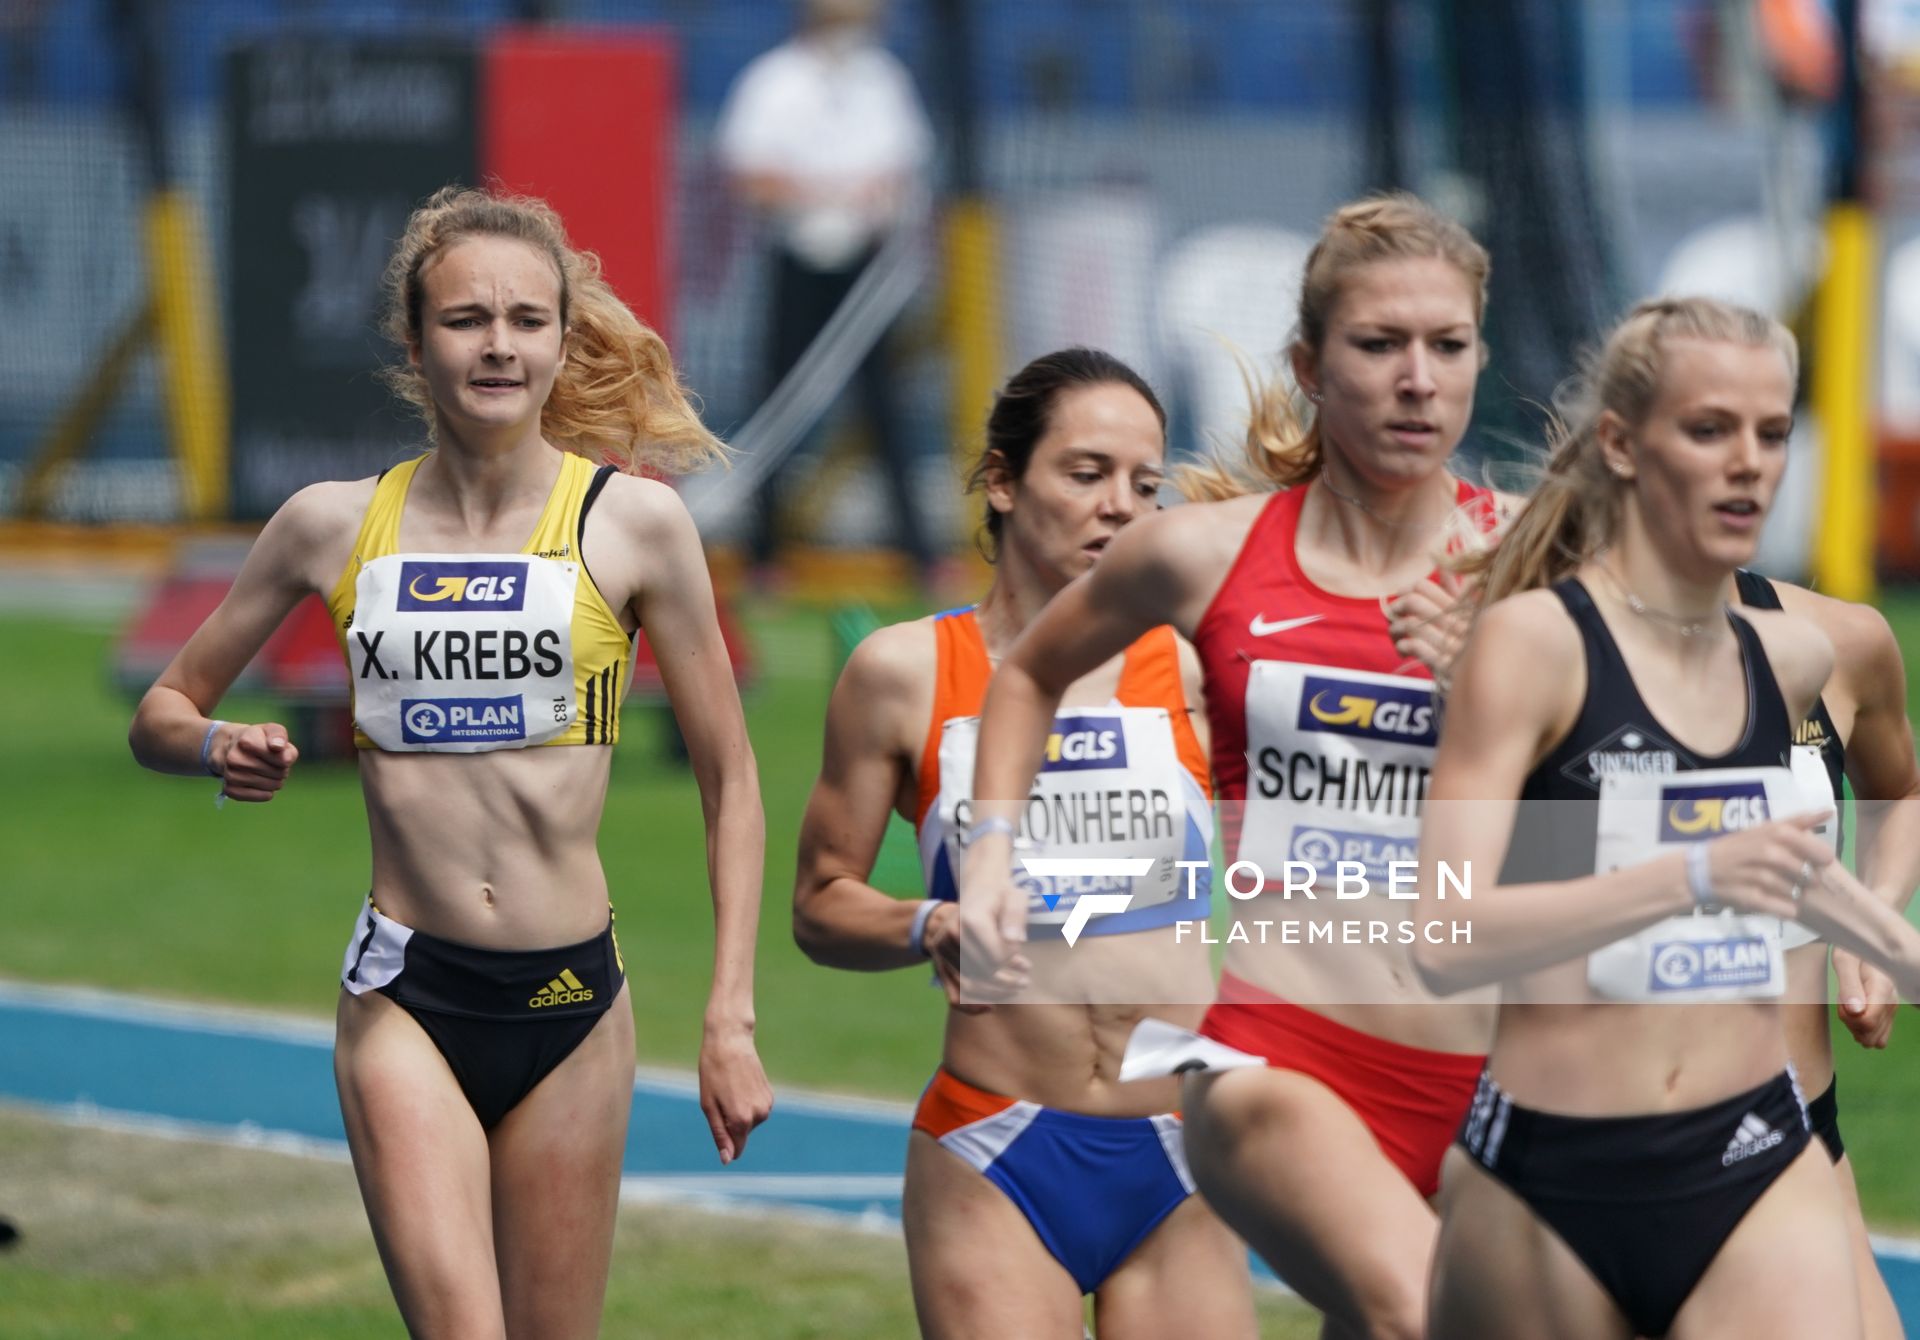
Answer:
[(826, 136)]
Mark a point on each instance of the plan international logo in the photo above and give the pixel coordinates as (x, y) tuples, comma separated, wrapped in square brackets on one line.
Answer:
[(461, 720)]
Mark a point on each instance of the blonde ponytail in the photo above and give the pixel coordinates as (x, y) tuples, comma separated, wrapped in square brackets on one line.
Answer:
[(617, 397), (1575, 511), (1282, 446)]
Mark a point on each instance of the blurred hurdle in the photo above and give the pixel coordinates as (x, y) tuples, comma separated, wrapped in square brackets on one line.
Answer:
[(176, 318)]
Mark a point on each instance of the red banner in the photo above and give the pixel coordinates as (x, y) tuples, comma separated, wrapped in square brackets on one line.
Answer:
[(585, 120)]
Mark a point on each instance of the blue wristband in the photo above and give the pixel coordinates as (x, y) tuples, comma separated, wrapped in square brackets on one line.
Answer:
[(917, 937), (206, 748), (993, 823), (1699, 875)]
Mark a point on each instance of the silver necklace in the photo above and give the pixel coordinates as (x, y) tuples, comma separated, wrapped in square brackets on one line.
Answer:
[(1686, 627), (1360, 505)]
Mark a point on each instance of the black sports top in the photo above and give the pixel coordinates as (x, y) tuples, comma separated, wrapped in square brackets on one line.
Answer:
[(1615, 732)]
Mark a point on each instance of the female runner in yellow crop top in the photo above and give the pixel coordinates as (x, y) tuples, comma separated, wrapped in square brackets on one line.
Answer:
[(485, 1042)]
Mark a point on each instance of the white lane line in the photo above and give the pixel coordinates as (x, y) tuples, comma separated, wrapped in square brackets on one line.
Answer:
[(1898, 1249), (241, 1135), (122, 1007), (869, 1219), (746, 1193), (849, 1186), (306, 1031), (94, 1002)]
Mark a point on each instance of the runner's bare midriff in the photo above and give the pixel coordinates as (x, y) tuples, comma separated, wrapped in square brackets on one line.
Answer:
[(1610, 1058), (1807, 1017), (1067, 1055), (495, 850)]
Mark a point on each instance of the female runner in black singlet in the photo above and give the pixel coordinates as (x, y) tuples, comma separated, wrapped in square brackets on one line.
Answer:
[(1629, 1168), (1858, 730)]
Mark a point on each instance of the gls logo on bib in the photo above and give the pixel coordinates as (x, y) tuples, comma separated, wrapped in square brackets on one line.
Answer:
[(1082, 743), (1370, 711), (462, 586), (1709, 810)]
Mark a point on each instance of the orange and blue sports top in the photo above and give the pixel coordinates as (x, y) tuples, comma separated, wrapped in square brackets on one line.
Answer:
[(464, 653), (1127, 780)]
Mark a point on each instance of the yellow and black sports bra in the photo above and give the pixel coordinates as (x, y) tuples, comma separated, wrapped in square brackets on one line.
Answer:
[(464, 653)]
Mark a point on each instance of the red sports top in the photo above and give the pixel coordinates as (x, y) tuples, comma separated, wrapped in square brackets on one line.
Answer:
[(1268, 609)]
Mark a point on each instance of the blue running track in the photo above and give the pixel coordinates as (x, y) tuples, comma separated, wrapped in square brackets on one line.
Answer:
[(259, 1079)]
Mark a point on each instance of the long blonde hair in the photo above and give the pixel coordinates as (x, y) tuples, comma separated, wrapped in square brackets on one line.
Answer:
[(1575, 509), (616, 398), (1283, 445)]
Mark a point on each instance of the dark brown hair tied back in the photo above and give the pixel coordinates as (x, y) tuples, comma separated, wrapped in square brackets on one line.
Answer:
[(1023, 411)]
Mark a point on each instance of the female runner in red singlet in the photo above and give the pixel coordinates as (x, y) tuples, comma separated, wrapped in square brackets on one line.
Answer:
[(1323, 727)]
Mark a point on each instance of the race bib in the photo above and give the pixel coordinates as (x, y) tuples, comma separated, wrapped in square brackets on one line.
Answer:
[(1816, 793), (1337, 767), (1111, 785), (1710, 955), (462, 654)]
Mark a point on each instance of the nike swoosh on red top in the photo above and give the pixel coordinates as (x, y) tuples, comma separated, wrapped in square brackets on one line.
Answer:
[(1260, 627)]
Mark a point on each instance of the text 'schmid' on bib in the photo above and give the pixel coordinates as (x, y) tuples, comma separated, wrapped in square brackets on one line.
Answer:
[(1337, 767)]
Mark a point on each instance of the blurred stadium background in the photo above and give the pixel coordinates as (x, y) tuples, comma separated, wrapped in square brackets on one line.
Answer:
[(197, 197)]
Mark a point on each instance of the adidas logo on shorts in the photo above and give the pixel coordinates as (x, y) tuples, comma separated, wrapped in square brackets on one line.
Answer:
[(566, 989), (1753, 1137)]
